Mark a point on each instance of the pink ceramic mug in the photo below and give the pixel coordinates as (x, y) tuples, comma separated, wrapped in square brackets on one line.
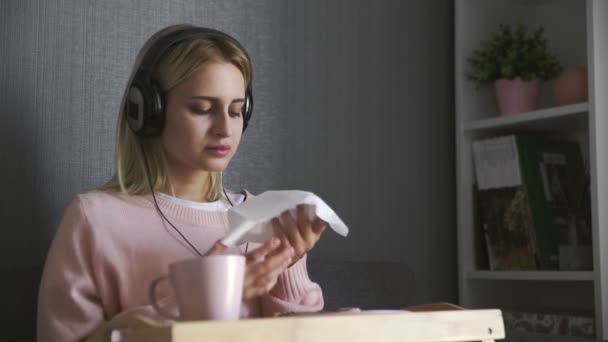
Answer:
[(207, 288)]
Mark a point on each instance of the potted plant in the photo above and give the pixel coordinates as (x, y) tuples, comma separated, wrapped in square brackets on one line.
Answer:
[(516, 62)]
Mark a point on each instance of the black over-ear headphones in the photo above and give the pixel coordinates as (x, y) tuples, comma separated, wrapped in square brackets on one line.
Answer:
[(145, 103)]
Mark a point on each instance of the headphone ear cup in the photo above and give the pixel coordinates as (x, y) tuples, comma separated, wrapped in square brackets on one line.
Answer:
[(144, 108), (155, 111), (134, 108), (247, 108)]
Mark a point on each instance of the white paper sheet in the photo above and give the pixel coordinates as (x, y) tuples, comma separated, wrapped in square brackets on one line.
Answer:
[(251, 221)]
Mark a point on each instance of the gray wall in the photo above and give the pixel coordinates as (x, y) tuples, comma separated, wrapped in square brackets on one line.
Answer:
[(368, 124), (353, 101)]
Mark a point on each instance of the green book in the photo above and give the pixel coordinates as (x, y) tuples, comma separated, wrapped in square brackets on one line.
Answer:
[(529, 188)]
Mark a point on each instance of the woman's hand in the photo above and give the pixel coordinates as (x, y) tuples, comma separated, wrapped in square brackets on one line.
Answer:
[(299, 233), (264, 265)]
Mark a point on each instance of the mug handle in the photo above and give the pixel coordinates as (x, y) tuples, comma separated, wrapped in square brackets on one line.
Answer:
[(152, 297)]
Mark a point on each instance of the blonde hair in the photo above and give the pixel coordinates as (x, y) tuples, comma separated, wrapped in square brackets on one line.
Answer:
[(173, 67)]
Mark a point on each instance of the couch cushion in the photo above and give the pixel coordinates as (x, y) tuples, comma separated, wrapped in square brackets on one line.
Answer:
[(19, 286), (363, 284)]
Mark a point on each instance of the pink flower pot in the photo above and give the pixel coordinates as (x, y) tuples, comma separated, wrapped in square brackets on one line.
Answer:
[(517, 96), (571, 86)]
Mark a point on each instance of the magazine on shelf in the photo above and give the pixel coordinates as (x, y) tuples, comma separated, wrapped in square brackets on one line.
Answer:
[(531, 197)]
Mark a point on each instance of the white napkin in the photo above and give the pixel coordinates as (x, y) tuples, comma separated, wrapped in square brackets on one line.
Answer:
[(251, 221)]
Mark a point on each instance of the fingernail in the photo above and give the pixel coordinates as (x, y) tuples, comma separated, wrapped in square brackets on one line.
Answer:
[(292, 251), (275, 242)]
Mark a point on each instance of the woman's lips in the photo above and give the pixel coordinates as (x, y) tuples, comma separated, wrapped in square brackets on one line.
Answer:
[(220, 150)]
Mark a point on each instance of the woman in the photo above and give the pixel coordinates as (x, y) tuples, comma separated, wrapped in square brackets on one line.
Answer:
[(186, 106)]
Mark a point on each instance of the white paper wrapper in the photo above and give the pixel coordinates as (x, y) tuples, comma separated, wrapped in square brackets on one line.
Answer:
[(251, 221)]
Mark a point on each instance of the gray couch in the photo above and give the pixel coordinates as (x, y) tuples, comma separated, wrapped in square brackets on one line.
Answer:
[(363, 284), (383, 285), (19, 287)]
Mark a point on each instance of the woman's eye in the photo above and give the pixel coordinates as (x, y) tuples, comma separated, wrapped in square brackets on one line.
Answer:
[(236, 110), (199, 110)]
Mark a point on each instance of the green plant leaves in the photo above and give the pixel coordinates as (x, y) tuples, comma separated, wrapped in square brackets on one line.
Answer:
[(512, 53)]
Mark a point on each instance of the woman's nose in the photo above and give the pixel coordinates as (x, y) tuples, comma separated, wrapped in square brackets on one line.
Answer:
[(221, 123)]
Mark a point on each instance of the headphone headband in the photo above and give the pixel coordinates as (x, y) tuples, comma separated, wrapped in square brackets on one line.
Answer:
[(165, 43)]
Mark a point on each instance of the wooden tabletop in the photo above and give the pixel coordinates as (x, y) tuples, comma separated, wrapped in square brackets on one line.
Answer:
[(429, 326)]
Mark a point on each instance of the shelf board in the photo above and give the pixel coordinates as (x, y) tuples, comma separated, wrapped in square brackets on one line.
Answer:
[(532, 275), (538, 337), (536, 119)]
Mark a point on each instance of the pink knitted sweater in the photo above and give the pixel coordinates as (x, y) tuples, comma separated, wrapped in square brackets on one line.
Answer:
[(110, 246)]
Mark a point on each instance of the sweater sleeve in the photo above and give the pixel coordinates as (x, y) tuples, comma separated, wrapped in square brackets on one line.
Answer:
[(69, 307), (294, 292)]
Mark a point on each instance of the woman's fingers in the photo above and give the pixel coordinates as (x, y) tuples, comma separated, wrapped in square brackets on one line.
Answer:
[(217, 248), (272, 265), (262, 276), (278, 232), (293, 234), (318, 227), (260, 253), (304, 224), (298, 232)]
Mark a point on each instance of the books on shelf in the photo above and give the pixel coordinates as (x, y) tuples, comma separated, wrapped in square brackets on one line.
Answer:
[(531, 198), (566, 324)]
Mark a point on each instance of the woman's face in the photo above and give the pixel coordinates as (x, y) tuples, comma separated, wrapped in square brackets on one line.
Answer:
[(204, 123)]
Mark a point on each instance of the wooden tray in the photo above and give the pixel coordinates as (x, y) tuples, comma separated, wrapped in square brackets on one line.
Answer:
[(427, 326)]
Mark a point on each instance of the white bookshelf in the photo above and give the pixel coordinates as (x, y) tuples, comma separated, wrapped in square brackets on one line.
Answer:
[(577, 30), (532, 275), (563, 116)]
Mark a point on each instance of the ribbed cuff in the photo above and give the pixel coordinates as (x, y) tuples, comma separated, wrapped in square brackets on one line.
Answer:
[(293, 283)]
